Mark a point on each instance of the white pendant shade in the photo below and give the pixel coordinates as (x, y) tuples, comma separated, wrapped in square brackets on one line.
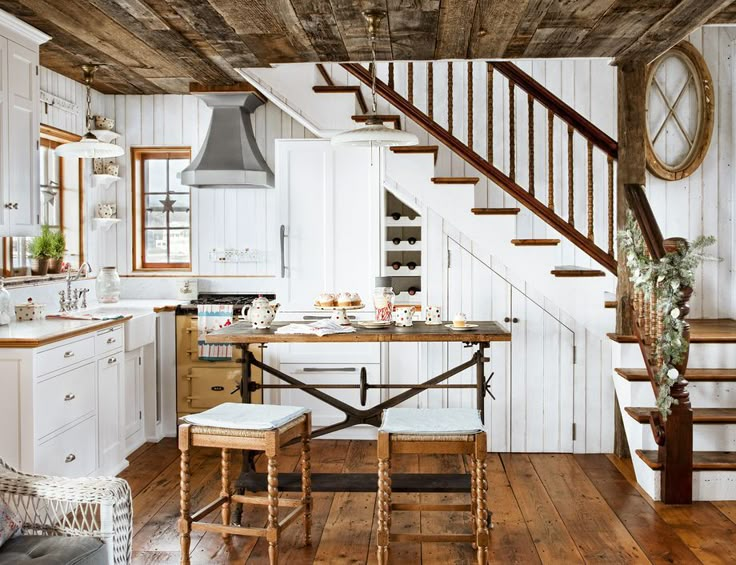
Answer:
[(375, 135), (89, 147)]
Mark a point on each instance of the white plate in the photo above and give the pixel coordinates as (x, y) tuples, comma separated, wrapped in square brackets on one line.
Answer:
[(374, 325), (465, 328)]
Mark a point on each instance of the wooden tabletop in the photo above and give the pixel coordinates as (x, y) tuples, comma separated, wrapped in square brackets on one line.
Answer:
[(242, 332)]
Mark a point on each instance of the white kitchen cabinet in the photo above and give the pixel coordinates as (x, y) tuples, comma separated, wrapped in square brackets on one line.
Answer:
[(133, 410), (19, 127), (328, 209)]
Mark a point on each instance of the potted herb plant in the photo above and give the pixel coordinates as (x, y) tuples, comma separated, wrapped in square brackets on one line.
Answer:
[(56, 253), (40, 251)]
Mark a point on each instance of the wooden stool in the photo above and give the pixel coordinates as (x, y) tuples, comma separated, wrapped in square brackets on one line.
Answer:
[(256, 427), (430, 431)]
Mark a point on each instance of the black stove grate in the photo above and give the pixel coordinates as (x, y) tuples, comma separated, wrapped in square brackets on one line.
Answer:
[(237, 300)]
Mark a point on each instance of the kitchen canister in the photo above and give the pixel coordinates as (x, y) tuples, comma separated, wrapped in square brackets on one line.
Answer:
[(107, 285), (404, 316), (106, 209), (433, 315), (29, 311)]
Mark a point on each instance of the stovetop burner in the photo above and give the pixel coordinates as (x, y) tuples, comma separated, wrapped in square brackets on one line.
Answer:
[(237, 300)]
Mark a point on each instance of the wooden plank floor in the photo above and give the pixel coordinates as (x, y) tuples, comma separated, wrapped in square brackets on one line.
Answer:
[(547, 508)]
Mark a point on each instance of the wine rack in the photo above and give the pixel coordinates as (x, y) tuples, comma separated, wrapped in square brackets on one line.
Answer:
[(403, 248)]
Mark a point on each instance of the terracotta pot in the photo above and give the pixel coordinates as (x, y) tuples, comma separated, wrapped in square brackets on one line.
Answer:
[(39, 266), (54, 266)]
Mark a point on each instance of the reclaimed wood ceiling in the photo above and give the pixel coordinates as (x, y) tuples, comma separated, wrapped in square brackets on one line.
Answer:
[(161, 46)]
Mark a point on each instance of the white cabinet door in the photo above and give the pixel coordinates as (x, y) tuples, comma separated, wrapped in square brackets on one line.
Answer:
[(325, 208), (4, 174), (133, 412), (23, 128), (110, 410)]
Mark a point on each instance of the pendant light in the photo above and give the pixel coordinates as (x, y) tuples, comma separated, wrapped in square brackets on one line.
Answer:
[(374, 133), (89, 147)]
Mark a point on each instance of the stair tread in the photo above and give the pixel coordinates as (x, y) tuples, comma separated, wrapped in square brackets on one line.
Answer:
[(721, 330), (455, 180), (395, 118), (531, 242), (573, 271), (412, 149), (692, 375), (700, 415), (495, 211), (334, 88), (702, 460)]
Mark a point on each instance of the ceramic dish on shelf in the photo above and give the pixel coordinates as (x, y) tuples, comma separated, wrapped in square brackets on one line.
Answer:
[(375, 324), (465, 328)]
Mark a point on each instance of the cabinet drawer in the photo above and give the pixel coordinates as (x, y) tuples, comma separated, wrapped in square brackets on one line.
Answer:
[(64, 398), (65, 355), (109, 340), (70, 454)]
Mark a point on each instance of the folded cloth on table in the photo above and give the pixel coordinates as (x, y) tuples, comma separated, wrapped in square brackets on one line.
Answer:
[(212, 317), (320, 328)]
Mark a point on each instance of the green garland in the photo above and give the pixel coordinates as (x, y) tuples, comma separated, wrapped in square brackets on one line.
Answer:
[(664, 280)]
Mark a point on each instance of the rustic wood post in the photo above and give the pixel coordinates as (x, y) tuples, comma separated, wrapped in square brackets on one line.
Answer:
[(631, 169), (676, 455)]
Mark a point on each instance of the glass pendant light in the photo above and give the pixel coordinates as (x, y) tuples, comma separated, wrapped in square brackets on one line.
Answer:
[(374, 133), (89, 147)]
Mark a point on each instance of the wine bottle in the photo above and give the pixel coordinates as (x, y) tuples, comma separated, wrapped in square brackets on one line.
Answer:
[(396, 265), (396, 216), (412, 290), (396, 240), (412, 265), (412, 240)]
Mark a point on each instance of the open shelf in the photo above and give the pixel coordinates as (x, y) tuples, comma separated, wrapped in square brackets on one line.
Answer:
[(403, 246), (402, 272), (403, 222), (409, 225), (103, 180), (105, 224), (105, 135)]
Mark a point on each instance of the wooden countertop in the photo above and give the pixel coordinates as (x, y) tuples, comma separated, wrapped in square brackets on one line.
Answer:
[(243, 333), (33, 334)]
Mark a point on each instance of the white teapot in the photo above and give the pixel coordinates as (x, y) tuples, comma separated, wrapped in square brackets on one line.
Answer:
[(261, 313)]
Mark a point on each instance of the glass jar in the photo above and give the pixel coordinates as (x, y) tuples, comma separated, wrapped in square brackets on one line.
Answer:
[(107, 285), (383, 299), (6, 308)]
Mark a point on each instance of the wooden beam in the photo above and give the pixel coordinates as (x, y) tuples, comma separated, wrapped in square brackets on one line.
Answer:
[(526, 28), (455, 25), (684, 18), (354, 31), (413, 29), (318, 21), (725, 16), (493, 27)]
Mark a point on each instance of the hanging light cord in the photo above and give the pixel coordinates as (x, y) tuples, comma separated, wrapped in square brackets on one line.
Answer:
[(373, 70)]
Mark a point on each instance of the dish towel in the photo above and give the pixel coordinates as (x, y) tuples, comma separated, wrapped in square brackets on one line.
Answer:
[(319, 328), (211, 317)]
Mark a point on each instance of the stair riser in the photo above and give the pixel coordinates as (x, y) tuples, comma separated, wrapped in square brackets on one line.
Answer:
[(711, 437), (707, 485), (702, 355), (702, 394)]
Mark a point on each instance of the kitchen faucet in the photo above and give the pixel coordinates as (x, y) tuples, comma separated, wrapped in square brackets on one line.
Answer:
[(70, 300)]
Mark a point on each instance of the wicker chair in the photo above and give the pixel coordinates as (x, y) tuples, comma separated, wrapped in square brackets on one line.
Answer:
[(100, 507)]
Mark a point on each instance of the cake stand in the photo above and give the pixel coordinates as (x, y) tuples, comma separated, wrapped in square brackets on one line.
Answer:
[(339, 313)]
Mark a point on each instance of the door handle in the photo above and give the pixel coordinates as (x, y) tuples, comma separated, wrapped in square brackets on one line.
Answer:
[(329, 369), (282, 237)]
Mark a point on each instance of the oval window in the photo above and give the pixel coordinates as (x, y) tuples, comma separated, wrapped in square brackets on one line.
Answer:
[(679, 112)]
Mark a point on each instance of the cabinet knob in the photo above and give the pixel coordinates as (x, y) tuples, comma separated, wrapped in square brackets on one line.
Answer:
[(110, 340), (69, 458), (68, 354), (68, 397), (112, 360), (15, 205), (8, 205)]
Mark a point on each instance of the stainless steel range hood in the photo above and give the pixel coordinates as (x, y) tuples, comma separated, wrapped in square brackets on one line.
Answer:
[(229, 157)]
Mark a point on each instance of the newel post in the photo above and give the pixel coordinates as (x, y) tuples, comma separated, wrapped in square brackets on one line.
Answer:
[(676, 455)]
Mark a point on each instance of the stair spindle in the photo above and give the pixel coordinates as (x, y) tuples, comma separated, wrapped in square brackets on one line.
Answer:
[(391, 75), (430, 91), (530, 117), (489, 111), (610, 206), (570, 179), (590, 191), (470, 105), (550, 160), (512, 131), (410, 83), (449, 97)]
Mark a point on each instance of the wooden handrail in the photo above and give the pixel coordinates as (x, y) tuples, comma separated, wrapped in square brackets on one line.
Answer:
[(638, 202), (482, 165), (562, 110)]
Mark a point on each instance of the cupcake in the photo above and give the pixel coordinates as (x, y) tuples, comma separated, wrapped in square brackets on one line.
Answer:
[(356, 300), (326, 299), (345, 299), (459, 320)]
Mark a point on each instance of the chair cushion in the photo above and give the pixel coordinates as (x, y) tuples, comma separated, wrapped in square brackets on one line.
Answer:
[(431, 421), (236, 416), (53, 550)]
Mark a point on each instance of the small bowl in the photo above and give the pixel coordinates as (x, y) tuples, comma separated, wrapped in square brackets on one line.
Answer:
[(101, 122)]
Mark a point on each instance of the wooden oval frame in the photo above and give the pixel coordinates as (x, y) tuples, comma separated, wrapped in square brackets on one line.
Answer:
[(706, 107)]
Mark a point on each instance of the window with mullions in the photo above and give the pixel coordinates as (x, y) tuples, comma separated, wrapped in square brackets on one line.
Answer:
[(163, 236)]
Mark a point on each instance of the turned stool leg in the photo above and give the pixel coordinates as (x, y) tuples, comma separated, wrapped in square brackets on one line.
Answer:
[(225, 490), (473, 500), (481, 482), (272, 532), (307, 481), (384, 497), (185, 520)]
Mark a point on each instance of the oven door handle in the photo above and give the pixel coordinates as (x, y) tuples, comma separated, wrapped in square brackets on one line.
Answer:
[(329, 369)]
